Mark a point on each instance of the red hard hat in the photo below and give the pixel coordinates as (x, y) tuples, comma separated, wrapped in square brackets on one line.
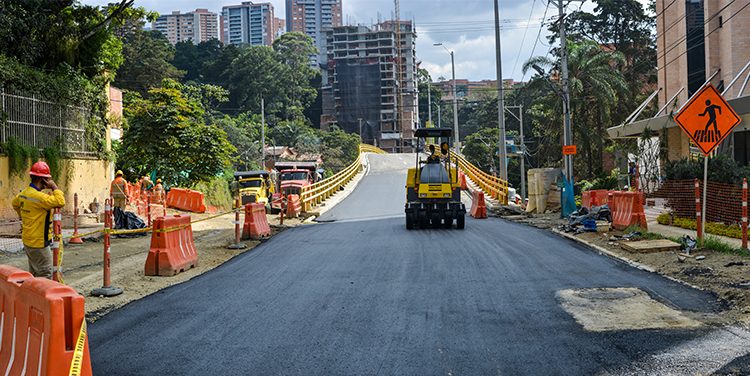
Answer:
[(40, 169)]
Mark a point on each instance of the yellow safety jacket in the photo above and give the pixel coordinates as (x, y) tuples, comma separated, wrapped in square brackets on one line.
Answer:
[(33, 206)]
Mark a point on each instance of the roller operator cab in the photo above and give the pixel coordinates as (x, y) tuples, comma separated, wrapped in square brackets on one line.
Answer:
[(433, 190), (254, 186)]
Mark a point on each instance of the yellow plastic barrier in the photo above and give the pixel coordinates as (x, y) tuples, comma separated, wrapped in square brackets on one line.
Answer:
[(495, 187)]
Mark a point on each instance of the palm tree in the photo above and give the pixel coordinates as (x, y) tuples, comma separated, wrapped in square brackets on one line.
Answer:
[(596, 85)]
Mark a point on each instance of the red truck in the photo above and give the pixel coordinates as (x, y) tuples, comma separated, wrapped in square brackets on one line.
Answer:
[(292, 177)]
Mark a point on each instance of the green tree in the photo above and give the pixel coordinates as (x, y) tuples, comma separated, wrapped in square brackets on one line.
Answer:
[(254, 73), (294, 49), (47, 34), (243, 132), (481, 149), (338, 149), (193, 59), (596, 86), (147, 55), (165, 133)]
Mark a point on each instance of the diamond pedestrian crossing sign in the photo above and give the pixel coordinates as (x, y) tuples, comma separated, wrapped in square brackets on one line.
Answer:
[(707, 119)]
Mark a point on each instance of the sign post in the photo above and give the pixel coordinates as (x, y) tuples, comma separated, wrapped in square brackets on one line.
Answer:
[(707, 119)]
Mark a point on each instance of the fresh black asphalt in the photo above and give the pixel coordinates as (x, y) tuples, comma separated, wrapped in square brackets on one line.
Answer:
[(358, 294)]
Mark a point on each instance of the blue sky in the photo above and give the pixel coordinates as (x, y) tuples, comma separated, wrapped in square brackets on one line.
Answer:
[(464, 26)]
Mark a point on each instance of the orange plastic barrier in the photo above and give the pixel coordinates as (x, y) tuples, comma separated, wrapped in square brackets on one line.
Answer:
[(594, 198), (293, 206), (41, 326), (462, 180), (172, 249), (185, 199), (629, 210), (256, 224), (478, 210)]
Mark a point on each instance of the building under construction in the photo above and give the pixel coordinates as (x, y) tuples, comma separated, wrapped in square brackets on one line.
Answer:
[(369, 86)]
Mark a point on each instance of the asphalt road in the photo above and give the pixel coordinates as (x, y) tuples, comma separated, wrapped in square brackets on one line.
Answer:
[(360, 295)]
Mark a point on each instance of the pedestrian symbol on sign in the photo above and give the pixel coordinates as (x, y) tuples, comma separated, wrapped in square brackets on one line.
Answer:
[(707, 133)]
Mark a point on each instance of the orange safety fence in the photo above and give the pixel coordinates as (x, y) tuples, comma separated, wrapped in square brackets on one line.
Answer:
[(674, 203)]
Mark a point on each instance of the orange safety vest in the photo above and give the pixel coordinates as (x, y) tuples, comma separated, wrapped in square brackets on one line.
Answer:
[(119, 187)]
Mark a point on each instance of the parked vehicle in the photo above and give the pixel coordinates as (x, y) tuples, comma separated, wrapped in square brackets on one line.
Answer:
[(254, 186), (293, 176)]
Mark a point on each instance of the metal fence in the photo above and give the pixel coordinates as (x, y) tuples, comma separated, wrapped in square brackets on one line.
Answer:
[(42, 124)]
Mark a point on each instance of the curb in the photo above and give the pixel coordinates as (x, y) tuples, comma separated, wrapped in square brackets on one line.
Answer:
[(625, 260)]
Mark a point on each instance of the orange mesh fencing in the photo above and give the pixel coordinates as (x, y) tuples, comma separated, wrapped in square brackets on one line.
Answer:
[(674, 203), (10, 230)]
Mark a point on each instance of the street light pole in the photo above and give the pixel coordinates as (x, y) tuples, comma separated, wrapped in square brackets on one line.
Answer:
[(429, 103), (262, 133), (455, 98), (360, 130), (502, 165)]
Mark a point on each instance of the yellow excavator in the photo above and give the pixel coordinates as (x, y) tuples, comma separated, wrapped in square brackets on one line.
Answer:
[(433, 190)]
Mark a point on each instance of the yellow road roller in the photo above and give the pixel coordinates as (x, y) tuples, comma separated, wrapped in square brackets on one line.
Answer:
[(433, 190)]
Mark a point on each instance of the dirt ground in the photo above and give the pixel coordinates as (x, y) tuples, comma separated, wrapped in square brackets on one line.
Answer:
[(726, 275), (82, 264)]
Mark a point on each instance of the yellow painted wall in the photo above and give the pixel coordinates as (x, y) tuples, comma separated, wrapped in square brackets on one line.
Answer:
[(89, 178)]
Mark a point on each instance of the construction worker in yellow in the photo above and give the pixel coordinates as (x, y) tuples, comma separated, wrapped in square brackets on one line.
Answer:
[(119, 190), (34, 207)]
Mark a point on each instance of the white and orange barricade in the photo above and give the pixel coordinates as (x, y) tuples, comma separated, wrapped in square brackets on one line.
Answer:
[(629, 210), (478, 209), (256, 224), (185, 199), (42, 326), (293, 206), (172, 248)]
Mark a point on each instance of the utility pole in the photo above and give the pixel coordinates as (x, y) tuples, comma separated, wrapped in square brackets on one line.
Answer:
[(500, 105), (262, 133), (429, 103), (567, 137), (523, 148)]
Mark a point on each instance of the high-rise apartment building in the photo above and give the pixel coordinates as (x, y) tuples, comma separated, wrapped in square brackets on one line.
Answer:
[(366, 89), (312, 17), (249, 23), (198, 26), (280, 26)]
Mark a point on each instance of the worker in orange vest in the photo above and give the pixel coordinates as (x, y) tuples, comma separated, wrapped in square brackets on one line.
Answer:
[(158, 191), (118, 190)]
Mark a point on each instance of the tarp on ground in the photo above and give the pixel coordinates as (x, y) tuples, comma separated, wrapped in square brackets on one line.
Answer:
[(125, 220), (359, 88)]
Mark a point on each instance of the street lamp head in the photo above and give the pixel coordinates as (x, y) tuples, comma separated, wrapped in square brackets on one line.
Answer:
[(437, 44), (538, 69)]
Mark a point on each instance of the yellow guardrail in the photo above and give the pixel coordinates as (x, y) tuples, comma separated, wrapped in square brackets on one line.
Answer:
[(315, 194), (497, 188)]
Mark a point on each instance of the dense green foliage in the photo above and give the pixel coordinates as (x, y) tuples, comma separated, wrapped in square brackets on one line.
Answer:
[(166, 133), (49, 34), (64, 52), (721, 169), (147, 55)]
